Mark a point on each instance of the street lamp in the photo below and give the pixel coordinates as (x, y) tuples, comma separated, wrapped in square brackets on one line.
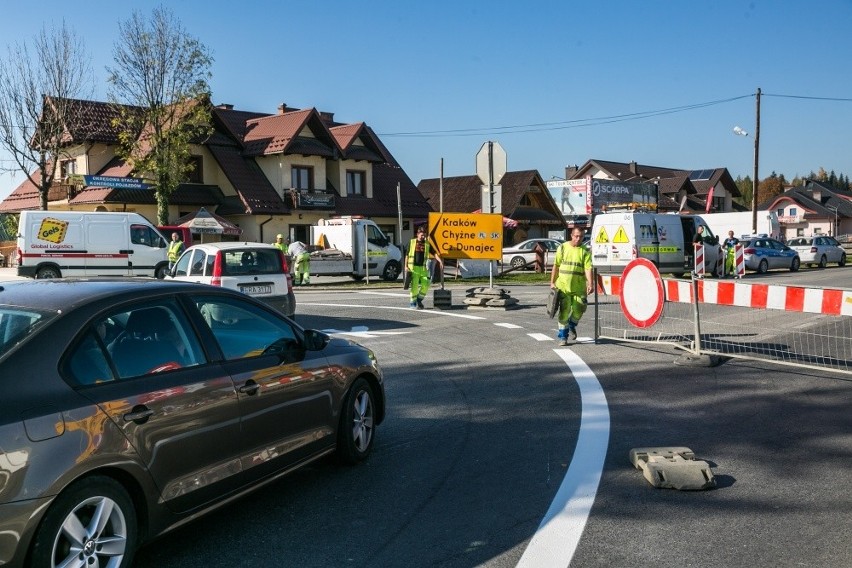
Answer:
[(740, 132), (834, 230)]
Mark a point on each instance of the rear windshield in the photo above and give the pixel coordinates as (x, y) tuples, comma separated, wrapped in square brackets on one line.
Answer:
[(799, 242), (17, 324), (251, 261)]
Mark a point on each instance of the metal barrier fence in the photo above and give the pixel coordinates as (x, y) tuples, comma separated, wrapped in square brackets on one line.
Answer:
[(804, 327)]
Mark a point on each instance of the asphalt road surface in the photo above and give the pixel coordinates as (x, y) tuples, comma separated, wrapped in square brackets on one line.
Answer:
[(492, 428)]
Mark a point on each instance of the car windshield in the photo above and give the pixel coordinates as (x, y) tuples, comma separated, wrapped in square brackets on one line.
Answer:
[(799, 242), (18, 323), (251, 261)]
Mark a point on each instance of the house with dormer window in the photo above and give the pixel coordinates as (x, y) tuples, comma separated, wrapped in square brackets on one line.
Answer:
[(266, 173), (679, 190)]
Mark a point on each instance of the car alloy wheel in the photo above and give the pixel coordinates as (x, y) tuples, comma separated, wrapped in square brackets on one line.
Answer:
[(357, 423), (92, 523)]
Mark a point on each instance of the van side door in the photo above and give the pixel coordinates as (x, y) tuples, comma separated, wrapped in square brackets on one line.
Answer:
[(106, 243), (147, 250), (671, 244)]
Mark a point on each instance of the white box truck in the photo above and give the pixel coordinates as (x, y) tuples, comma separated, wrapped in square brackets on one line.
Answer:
[(353, 247), (53, 244), (664, 239), (740, 222)]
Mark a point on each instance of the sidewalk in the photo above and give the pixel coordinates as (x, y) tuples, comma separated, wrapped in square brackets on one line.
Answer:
[(10, 273)]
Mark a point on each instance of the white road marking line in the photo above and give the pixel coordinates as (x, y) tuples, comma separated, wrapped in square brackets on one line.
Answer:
[(556, 539), (406, 308), (509, 325), (394, 294), (541, 337)]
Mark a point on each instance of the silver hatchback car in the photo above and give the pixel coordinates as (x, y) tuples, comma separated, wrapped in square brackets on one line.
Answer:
[(819, 250), (257, 269)]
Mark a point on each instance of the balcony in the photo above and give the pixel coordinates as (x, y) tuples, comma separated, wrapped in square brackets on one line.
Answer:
[(311, 198)]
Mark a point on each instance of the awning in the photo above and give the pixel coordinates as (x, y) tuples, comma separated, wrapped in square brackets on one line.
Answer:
[(203, 222)]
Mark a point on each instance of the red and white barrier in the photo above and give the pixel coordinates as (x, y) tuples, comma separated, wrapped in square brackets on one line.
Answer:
[(739, 260), (759, 296), (699, 260)]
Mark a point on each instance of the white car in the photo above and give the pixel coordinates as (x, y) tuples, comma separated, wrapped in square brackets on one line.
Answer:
[(256, 269), (818, 250), (523, 253)]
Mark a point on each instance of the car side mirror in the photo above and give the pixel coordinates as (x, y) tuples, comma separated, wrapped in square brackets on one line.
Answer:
[(316, 340)]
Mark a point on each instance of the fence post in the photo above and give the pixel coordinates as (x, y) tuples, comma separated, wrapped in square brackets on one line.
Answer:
[(697, 342)]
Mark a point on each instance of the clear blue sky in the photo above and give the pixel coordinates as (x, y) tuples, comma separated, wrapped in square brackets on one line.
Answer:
[(474, 67)]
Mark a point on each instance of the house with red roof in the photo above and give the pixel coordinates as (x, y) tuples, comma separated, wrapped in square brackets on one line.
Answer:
[(678, 189), (266, 173)]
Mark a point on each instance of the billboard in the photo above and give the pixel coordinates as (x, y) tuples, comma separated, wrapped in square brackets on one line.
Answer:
[(570, 196), (607, 195)]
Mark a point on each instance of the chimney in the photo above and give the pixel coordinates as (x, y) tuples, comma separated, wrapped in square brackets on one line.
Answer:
[(282, 108), (225, 106), (634, 168), (327, 117), (570, 171)]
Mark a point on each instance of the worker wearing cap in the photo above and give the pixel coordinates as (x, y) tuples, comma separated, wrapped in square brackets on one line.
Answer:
[(280, 244)]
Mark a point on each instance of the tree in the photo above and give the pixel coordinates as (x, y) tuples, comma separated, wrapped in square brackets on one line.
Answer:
[(771, 187), (745, 187), (160, 82), (39, 110)]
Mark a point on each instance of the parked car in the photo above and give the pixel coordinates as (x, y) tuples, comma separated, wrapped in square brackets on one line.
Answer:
[(130, 406), (763, 253), (257, 269), (818, 250), (523, 253)]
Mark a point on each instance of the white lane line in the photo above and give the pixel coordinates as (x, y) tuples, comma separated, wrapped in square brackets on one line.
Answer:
[(556, 539), (430, 312), (541, 336), (508, 325), (394, 294)]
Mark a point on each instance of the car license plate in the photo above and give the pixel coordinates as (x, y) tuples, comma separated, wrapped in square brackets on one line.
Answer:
[(256, 289)]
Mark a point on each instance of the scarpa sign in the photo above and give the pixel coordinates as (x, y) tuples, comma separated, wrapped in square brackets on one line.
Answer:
[(608, 195), (467, 235), (115, 182)]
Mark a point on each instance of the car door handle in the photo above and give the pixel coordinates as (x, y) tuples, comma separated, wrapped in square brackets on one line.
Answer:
[(250, 388), (140, 415)]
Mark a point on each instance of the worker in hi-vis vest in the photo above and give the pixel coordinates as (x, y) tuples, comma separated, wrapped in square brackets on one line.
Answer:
[(416, 263), (572, 276), (175, 248)]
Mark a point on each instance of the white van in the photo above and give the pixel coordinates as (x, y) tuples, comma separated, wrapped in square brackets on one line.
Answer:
[(53, 244), (664, 239)]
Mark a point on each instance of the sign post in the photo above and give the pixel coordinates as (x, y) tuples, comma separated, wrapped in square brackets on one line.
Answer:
[(491, 166)]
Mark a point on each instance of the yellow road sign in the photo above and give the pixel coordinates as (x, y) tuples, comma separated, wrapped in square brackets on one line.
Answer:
[(602, 237), (620, 236), (467, 235)]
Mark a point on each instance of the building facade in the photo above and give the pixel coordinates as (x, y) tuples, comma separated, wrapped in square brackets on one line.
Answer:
[(266, 173)]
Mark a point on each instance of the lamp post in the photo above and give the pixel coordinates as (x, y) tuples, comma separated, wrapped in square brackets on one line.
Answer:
[(834, 229), (754, 182)]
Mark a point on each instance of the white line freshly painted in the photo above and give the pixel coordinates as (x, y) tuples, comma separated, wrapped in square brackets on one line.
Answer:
[(394, 294), (541, 336), (555, 541), (509, 325), (406, 308)]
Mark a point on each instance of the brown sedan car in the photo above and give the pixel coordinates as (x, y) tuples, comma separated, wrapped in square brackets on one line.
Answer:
[(129, 406)]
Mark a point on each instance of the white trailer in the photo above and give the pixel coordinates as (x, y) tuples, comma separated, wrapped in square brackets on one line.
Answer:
[(353, 247), (741, 224)]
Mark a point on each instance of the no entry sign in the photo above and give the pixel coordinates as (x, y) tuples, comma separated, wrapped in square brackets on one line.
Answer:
[(642, 294)]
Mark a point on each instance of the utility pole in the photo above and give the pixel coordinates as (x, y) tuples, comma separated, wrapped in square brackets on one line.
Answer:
[(754, 181)]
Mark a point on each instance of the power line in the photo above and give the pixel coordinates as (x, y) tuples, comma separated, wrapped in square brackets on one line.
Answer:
[(582, 122), (562, 125)]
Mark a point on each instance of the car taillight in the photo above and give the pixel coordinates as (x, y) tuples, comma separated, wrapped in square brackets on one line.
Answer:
[(19, 256), (749, 251), (284, 265), (635, 252), (216, 279), (813, 250)]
